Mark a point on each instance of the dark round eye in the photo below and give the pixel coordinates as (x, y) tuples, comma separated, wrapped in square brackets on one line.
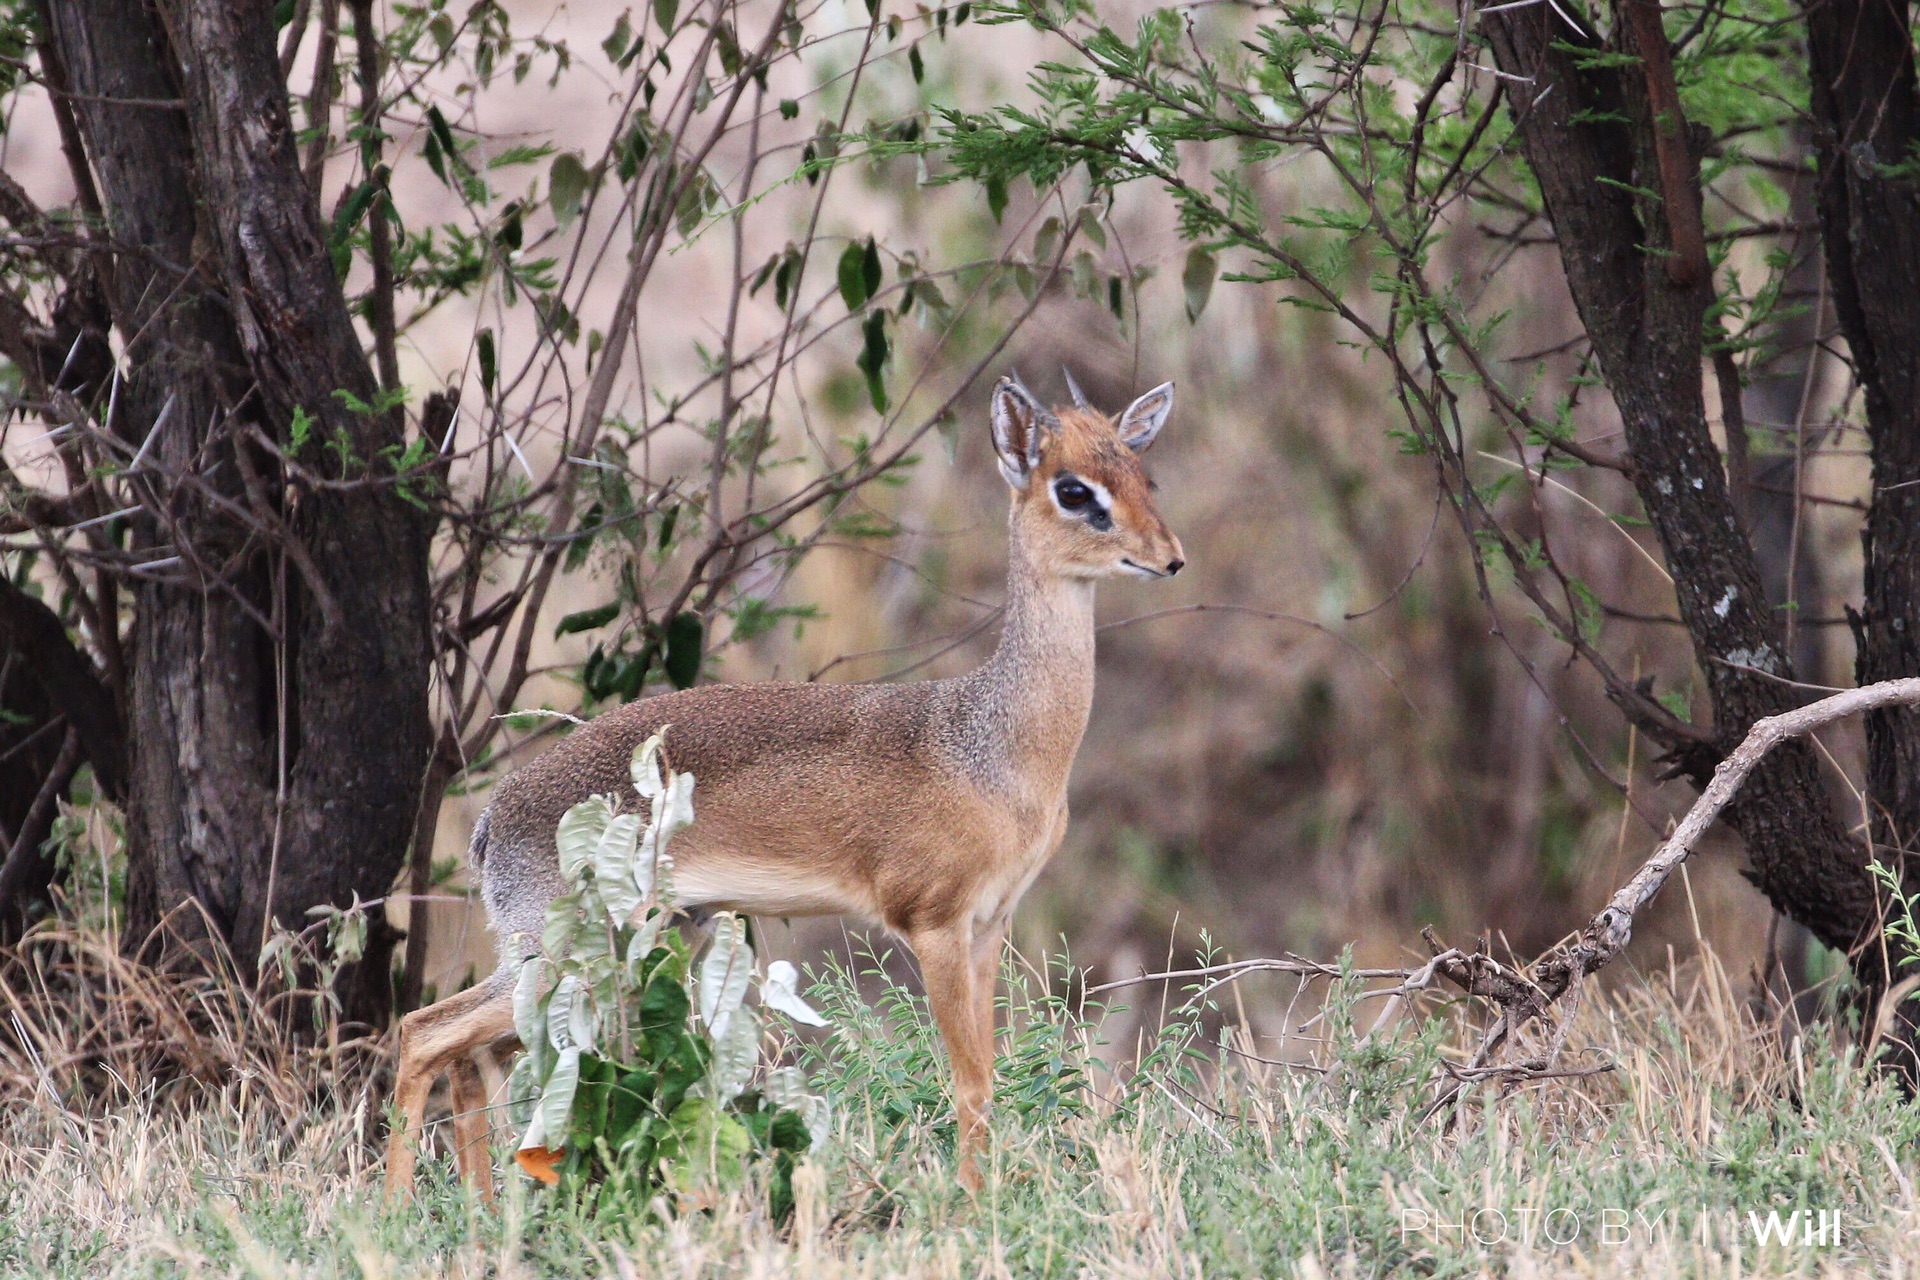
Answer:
[(1072, 494)]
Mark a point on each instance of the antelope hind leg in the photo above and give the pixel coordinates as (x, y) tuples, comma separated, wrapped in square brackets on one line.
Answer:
[(431, 1040), (471, 1130)]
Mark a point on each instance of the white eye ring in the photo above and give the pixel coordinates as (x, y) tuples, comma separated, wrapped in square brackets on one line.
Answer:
[(1100, 500)]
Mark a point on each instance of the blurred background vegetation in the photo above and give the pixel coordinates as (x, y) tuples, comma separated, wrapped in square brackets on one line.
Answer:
[(1318, 737)]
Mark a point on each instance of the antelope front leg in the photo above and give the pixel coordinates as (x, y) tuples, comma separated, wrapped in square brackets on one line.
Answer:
[(988, 943), (947, 964)]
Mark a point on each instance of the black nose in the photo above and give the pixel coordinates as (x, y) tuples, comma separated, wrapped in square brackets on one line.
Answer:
[(1175, 565)]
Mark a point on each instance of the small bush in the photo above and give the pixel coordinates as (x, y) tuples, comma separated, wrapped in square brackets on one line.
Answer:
[(636, 1075)]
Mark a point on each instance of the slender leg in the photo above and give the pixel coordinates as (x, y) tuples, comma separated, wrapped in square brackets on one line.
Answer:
[(431, 1039), (946, 962), (471, 1130), (989, 943)]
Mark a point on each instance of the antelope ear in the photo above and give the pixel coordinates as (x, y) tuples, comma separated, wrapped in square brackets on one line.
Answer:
[(1020, 424), (1144, 417)]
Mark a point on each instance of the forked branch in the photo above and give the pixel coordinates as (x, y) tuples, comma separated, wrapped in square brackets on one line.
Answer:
[(1520, 996), (1610, 930), (1608, 933)]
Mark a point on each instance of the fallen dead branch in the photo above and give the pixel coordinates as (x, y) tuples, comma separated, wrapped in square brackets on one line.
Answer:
[(1608, 933), (1553, 984)]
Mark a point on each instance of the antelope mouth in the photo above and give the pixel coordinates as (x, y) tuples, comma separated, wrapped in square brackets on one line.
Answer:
[(1143, 570)]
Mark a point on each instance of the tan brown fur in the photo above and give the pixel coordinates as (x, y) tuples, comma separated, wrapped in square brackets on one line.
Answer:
[(928, 806)]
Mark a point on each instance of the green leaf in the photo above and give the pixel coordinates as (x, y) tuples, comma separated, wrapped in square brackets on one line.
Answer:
[(587, 619), (664, 13), (736, 1052), (440, 134), (615, 868), (789, 109), (1196, 280), (872, 359), (556, 1100), (1046, 241), (724, 973), (1589, 615), (579, 833), (684, 636), (627, 1102), (786, 1087), (346, 220), (615, 45), (299, 431), (1087, 218), (483, 345), (529, 1000), (855, 285), (591, 1101), (664, 1006), (567, 183)]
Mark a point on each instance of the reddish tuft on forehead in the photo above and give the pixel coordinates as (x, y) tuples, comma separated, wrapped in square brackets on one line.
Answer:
[(1089, 445)]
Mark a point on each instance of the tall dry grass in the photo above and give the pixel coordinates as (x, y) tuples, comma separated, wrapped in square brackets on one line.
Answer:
[(165, 1125)]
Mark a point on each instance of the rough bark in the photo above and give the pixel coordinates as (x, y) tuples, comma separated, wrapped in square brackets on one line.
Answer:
[(197, 678), (225, 294), (355, 761), (1867, 125), (1593, 139)]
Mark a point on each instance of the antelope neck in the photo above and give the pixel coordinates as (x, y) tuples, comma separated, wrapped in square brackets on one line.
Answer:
[(1033, 696)]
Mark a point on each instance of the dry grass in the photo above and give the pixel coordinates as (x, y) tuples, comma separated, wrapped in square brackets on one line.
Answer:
[(159, 1125)]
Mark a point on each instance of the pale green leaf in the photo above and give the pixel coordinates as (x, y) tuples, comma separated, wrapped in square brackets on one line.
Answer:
[(780, 991), (1046, 241), (646, 766), (523, 1090), (579, 831), (564, 925), (645, 936), (788, 1088), (615, 865), (529, 1006), (563, 1021), (566, 186), (1196, 280), (556, 1101), (736, 1052), (724, 973)]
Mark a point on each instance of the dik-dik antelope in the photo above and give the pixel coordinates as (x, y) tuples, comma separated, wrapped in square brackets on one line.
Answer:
[(927, 806)]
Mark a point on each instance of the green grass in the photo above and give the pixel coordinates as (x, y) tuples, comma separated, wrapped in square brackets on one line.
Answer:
[(1197, 1161)]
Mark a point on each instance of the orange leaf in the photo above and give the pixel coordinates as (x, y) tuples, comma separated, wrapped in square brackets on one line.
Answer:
[(539, 1162)]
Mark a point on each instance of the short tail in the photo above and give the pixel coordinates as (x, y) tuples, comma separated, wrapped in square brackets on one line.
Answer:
[(477, 847)]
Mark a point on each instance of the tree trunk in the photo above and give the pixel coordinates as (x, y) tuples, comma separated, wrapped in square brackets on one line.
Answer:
[(1781, 391), (1621, 186), (1867, 121), (278, 712)]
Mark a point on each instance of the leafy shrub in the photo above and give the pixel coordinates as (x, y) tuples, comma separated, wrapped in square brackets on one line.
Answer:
[(636, 1073)]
